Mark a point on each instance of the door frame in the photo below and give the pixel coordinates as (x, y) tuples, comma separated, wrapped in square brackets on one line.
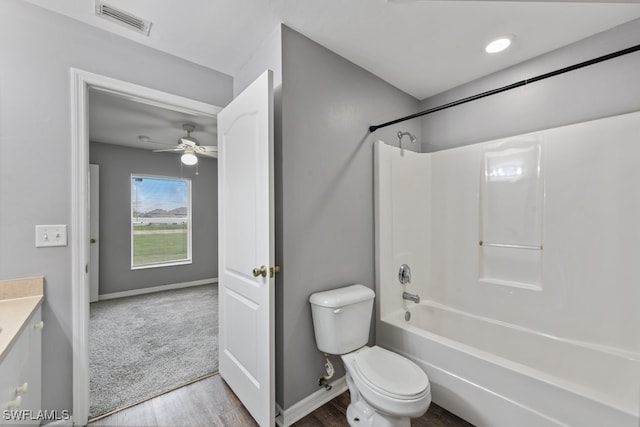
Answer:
[(94, 221), (81, 82)]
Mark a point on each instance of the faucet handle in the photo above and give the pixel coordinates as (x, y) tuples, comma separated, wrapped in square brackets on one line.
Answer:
[(404, 274)]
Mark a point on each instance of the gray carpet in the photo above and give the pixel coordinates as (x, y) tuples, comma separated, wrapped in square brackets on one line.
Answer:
[(145, 345)]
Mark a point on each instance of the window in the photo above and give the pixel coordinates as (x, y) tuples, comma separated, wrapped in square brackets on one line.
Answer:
[(160, 221)]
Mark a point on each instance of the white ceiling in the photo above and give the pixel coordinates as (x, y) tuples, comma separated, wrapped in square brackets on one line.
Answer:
[(422, 47), (118, 120)]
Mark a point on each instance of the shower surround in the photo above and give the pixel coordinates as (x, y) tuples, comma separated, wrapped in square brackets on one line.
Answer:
[(525, 254)]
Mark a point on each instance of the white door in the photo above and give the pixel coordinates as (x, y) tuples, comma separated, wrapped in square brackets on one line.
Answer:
[(246, 248), (94, 216)]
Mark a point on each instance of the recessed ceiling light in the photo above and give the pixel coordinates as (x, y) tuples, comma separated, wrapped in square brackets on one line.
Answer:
[(498, 45)]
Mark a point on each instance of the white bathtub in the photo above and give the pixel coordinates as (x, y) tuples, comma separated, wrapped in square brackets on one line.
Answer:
[(496, 374)]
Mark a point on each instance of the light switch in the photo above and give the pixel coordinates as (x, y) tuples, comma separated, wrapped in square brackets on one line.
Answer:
[(51, 235)]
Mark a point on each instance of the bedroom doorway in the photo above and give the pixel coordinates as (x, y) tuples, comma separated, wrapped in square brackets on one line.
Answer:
[(82, 83)]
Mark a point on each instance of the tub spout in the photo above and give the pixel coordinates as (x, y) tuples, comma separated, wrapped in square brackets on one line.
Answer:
[(411, 297)]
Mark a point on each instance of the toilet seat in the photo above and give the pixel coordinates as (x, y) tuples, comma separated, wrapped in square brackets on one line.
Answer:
[(390, 374)]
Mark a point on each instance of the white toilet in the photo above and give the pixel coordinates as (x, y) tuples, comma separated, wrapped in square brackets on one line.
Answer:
[(386, 388)]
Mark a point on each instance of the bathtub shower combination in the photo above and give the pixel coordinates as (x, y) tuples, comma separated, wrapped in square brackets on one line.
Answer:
[(524, 253)]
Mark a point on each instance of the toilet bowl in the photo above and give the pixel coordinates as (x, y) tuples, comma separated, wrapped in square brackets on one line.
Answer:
[(386, 388)]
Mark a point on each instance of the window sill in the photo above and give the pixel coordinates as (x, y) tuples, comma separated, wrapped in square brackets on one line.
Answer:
[(162, 264)]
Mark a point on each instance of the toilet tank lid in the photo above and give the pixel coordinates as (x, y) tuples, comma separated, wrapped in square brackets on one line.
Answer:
[(342, 296)]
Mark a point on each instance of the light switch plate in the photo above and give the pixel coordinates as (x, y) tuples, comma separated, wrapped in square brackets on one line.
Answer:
[(51, 235)]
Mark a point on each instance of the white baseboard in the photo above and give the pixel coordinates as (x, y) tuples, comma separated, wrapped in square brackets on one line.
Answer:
[(310, 403), (152, 289), (68, 422)]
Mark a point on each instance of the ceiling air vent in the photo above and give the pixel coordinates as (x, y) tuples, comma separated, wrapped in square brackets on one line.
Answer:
[(125, 18)]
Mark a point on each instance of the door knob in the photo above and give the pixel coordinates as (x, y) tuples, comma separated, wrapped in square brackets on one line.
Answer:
[(274, 270), (261, 271), (92, 240)]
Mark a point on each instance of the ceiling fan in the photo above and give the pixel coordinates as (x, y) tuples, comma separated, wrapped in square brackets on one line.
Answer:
[(191, 148)]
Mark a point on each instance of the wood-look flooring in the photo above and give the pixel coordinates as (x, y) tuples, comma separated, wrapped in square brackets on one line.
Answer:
[(210, 402), (333, 414)]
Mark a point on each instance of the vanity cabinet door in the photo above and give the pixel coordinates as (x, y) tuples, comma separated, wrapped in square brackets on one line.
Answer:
[(21, 377), (31, 372), (10, 373)]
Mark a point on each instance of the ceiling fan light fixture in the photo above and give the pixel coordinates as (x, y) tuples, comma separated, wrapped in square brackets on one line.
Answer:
[(189, 159)]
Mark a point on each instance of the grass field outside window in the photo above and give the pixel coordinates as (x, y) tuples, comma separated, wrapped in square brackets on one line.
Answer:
[(160, 221)]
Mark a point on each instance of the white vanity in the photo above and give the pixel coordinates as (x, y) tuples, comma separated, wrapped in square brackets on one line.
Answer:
[(21, 351)]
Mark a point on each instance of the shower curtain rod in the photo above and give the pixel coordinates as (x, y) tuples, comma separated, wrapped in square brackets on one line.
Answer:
[(524, 82)]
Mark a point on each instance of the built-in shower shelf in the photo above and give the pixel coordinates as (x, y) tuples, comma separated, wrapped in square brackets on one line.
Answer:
[(506, 245)]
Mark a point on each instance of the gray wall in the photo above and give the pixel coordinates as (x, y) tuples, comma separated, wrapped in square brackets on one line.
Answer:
[(326, 232), (117, 163), (267, 56), (601, 90), (37, 48)]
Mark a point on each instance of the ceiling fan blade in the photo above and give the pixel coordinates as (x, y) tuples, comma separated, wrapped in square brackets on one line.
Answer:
[(206, 149), (212, 154), (146, 140), (169, 149), (188, 140)]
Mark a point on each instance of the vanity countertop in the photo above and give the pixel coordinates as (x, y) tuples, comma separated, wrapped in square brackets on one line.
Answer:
[(19, 299)]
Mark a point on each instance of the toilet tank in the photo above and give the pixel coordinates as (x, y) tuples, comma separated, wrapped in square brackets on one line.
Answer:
[(341, 318)]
